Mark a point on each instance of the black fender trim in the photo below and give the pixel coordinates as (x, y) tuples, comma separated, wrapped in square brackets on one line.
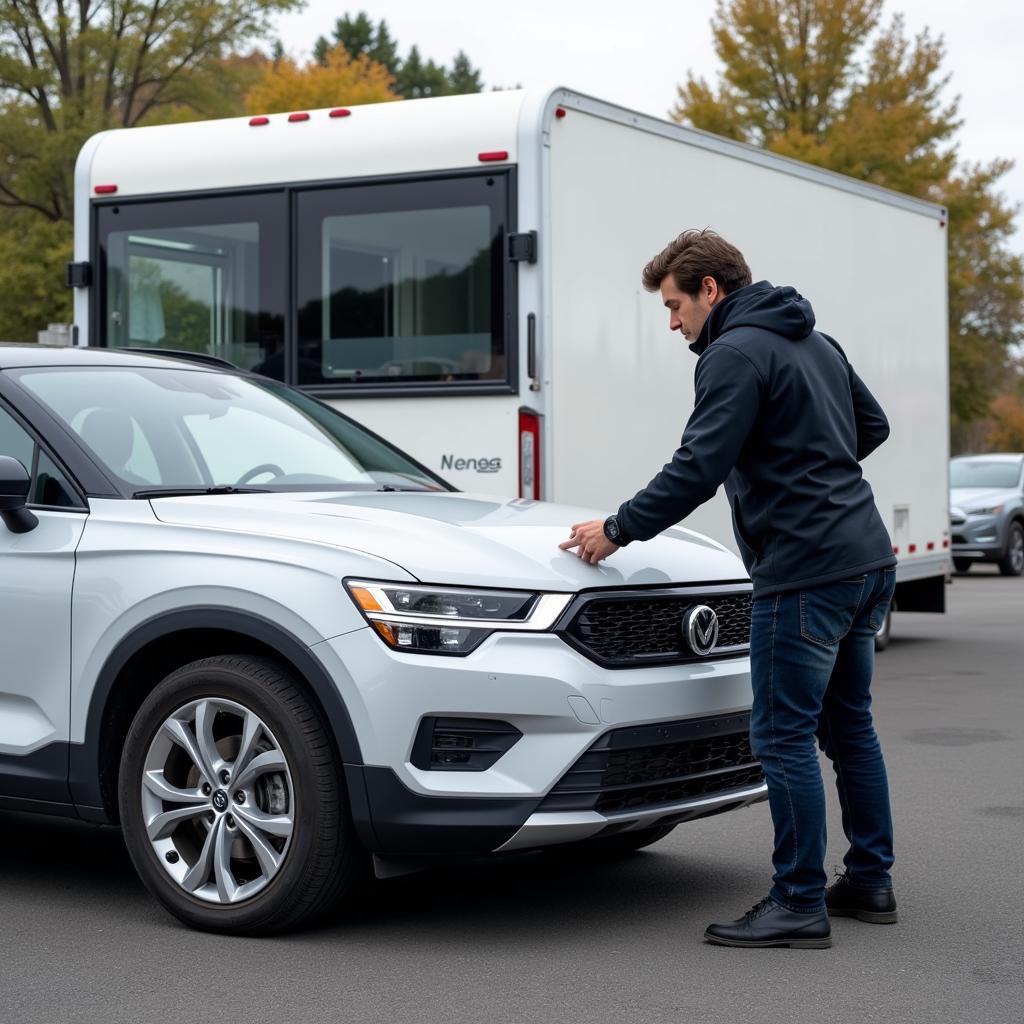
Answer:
[(408, 824), (84, 760)]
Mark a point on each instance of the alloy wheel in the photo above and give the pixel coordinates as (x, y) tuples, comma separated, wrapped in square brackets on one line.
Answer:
[(218, 803)]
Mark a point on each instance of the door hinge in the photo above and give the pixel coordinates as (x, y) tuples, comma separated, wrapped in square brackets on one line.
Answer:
[(77, 275), (522, 247)]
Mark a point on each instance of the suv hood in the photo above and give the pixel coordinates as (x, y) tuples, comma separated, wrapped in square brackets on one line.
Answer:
[(456, 538), (973, 497)]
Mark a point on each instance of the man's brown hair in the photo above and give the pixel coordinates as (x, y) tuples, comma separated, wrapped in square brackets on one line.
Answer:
[(695, 255)]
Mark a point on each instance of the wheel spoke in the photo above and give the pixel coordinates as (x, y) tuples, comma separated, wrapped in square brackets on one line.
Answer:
[(251, 729), (182, 735), (273, 824), (227, 887), (206, 712), (155, 782), (268, 857), (270, 761), (198, 875), (161, 825)]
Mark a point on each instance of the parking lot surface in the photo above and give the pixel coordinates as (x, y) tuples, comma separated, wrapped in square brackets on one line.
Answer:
[(540, 938)]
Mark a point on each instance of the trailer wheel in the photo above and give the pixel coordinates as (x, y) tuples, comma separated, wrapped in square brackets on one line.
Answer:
[(884, 635), (962, 564)]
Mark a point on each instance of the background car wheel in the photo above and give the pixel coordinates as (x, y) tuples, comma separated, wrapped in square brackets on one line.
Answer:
[(620, 845), (1012, 562), (884, 635), (962, 564), (232, 801)]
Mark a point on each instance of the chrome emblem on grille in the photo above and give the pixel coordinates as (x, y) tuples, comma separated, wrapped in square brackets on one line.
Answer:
[(700, 627)]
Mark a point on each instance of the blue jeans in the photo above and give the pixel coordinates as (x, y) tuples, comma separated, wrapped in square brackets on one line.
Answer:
[(812, 655)]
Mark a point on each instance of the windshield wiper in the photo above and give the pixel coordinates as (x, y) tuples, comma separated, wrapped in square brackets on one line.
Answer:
[(186, 492)]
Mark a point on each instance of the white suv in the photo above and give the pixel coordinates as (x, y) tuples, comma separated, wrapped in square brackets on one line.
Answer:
[(266, 642)]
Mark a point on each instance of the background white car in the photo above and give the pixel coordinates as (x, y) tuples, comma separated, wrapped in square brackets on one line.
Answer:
[(266, 642)]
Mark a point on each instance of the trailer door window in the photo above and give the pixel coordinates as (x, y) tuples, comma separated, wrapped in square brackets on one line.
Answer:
[(402, 284), (203, 275)]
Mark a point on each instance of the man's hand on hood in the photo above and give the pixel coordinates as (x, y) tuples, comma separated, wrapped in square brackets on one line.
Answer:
[(590, 539)]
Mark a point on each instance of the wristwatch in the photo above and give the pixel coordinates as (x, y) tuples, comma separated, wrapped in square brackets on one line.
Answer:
[(615, 533)]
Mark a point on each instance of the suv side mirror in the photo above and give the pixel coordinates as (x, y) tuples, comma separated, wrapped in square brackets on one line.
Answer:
[(14, 487)]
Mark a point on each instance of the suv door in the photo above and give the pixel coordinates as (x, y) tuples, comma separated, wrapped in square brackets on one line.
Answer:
[(36, 574)]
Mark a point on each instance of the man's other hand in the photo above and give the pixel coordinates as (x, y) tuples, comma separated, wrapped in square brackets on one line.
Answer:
[(590, 539)]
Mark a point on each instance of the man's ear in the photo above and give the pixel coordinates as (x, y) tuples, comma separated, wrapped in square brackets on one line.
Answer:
[(710, 288)]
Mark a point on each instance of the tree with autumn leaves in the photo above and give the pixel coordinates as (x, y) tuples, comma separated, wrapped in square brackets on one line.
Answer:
[(827, 82)]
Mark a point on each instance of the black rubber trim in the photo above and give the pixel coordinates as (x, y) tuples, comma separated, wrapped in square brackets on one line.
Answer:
[(41, 775), (405, 823), (84, 761)]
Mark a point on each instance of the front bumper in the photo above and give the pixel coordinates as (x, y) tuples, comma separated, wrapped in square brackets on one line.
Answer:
[(982, 538), (561, 703)]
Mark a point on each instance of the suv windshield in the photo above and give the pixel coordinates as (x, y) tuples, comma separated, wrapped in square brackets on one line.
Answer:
[(982, 473), (190, 429)]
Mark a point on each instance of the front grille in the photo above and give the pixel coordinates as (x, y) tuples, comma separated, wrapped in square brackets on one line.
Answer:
[(959, 538), (646, 628), (643, 767)]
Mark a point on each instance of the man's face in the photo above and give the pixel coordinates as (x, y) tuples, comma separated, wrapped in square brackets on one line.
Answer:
[(687, 313)]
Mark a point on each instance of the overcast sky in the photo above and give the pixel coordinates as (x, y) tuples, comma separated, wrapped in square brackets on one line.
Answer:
[(638, 59)]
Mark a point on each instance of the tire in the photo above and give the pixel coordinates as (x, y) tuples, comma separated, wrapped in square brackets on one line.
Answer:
[(1012, 562), (884, 635), (275, 852), (620, 845), (963, 564)]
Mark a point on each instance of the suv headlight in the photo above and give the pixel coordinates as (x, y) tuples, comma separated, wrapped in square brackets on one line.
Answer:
[(992, 510), (450, 620)]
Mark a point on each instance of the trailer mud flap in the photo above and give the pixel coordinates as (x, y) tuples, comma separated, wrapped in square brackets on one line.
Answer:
[(927, 595)]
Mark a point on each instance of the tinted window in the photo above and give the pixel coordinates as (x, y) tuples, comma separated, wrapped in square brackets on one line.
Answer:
[(983, 473), (402, 283), (182, 428), (205, 275)]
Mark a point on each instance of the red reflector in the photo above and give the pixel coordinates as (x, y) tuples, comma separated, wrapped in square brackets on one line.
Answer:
[(931, 545), (104, 190), (911, 548), (529, 455), (945, 543), (298, 117), (340, 112), (560, 112), (497, 154), (257, 121), (895, 551)]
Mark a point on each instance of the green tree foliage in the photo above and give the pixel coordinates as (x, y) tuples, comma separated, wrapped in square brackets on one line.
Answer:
[(69, 70), (825, 81), (414, 77)]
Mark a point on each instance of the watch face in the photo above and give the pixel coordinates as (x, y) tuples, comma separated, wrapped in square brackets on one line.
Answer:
[(612, 528)]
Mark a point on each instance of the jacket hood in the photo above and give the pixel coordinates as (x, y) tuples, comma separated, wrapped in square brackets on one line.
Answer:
[(781, 310)]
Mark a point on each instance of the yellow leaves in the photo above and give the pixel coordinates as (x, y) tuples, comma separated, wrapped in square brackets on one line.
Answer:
[(341, 81), (1006, 424)]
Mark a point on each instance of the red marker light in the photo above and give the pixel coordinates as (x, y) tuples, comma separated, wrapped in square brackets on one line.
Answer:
[(895, 551), (298, 117), (340, 112), (255, 122), (911, 548), (560, 112), (493, 156), (931, 545), (105, 190)]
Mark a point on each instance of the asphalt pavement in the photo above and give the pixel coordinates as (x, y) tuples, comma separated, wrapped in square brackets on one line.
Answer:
[(537, 939)]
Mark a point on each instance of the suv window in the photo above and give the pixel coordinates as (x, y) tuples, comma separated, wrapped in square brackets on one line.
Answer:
[(49, 485)]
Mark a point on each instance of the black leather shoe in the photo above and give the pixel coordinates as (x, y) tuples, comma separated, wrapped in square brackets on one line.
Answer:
[(769, 924), (877, 906)]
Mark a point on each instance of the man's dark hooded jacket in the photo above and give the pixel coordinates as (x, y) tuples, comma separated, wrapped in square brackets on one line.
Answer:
[(781, 418)]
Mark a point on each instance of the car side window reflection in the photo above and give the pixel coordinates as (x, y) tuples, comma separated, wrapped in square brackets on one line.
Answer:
[(15, 442), (50, 486)]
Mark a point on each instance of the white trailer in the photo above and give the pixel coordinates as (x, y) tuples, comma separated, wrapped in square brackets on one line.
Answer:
[(463, 275)]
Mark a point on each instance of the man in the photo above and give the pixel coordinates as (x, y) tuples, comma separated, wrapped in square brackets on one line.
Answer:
[(782, 419)]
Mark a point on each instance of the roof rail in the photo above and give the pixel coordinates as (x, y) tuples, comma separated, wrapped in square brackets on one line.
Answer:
[(180, 353)]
